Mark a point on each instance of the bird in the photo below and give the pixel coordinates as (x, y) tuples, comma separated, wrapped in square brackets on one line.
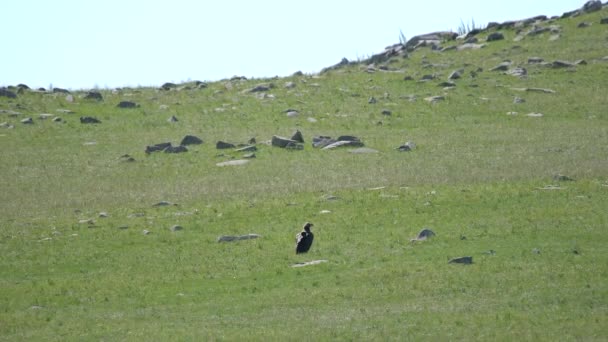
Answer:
[(304, 239)]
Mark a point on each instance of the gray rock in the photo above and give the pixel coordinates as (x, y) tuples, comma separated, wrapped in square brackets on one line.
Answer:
[(163, 204), (519, 72), (27, 121), (467, 260), (434, 99), (89, 120), (408, 146), (7, 93), (604, 21), (173, 118), (157, 147), (583, 24), (504, 66), (562, 178), (222, 145), (387, 112), (298, 137), (456, 74), (279, 141), (495, 36), (230, 238), (93, 95), (176, 149), (535, 60), (260, 88), (372, 100), (562, 64), (248, 148), (447, 84), (470, 46), (424, 234), (127, 104), (44, 116), (322, 141), (191, 140), (57, 119), (518, 100), (168, 86), (592, 6), (176, 228), (236, 162), (61, 90)]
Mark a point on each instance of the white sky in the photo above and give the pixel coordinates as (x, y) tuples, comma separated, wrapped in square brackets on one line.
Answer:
[(113, 43)]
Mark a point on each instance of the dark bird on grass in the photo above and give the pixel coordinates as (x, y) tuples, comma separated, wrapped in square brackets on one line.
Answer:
[(304, 239)]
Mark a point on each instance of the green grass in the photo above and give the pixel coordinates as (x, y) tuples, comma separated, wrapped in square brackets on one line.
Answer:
[(476, 178)]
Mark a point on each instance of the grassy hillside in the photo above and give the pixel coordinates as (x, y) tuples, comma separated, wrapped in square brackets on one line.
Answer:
[(75, 263)]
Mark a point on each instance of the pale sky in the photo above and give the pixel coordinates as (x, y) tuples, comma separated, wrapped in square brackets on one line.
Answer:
[(81, 44)]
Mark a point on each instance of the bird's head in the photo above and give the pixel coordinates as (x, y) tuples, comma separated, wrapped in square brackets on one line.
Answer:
[(307, 226)]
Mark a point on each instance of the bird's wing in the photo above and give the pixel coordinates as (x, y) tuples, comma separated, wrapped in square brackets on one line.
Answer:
[(299, 237)]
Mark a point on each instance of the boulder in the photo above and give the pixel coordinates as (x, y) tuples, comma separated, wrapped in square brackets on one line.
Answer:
[(168, 86), (7, 93), (592, 6), (495, 36), (279, 141), (297, 136), (504, 66), (89, 120), (236, 162), (424, 234), (467, 260), (322, 141), (93, 95), (430, 38), (175, 149), (408, 146), (157, 147), (27, 121), (222, 145), (191, 140), (127, 104), (61, 90)]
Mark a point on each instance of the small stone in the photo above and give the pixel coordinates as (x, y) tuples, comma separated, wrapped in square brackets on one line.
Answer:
[(103, 214), (424, 234), (467, 260), (90, 222), (309, 263), (372, 100), (127, 104), (386, 112), (45, 116), (518, 100), (176, 149), (248, 148), (157, 147), (57, 119), (535, 115), (495, 36), (236, 162), (535, 60), (163, 204), (173, 118), (408, 146), (89, 120), (191, 140), (221, 145), (93, 95), (146, 232), (298, 137), (27, 121), (434, 99), (69, 98), (562, 178), (176, 228), (456, 74)]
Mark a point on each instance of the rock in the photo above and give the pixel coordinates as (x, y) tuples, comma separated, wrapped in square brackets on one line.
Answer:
[(279, 141), (249, 155), (127, 104), (470, 46), (495, 36), (69, 98), (290, 85), (536, 90), (57, 119), (89, 120), (467, 260), (562, 64), (65, 111), (260, 88), (126, 158), (176, 228), (583, 24), (175, 149), (44, 116), (60, 90), (297, 136), (372, 100), (6, 125), (322, 141), (157, 147), (172, 119), (433, 38), (236, 162), (408, 146), (535, 115), (447, 84), (248, 148), (27, 121), (7, 93), (146, 232), (103, 214), (535, 60), (504, 66), (519, 72), (592, 6), (456, 74), (427, 77), (168, 86), (309, 263), (363, 150), (229, 238), (434, 99), (93, 95), (604, 21), (191, 140), (424, 234), (292, 113), (518, 100), (222, 145), (562, 178), (387, 112), (163, 204)]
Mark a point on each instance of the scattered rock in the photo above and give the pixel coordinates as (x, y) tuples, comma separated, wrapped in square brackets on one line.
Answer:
[(175, 149), (60, 90), (89, 120), (6, 125), (292, 113), (363, 150), (297, 136), (495, 36), (372, 100), (309, 263), (562, 178), (93, 95), (456, 74), (127, 104), (126, 158), (222, 145), (535, 90), (535, 60), (146, 232), (260, 88), (535, 115), (467, 260), (230, 238), (423, 235), (504, 66), (191, 140), (283, 142), (168, 86), (173, 118), (447, 84), (562, 64), (157, 147), (290, 85), (408, 146), (248, 148), (519, 72), (7, 93), (592, 6), (27, 121), (163, 204), (44, 116), (604, 21), (176, 228), (518, 100), (583, 24), (103, 214), (57, 119), (434, 99), (90, 222), (387, 112), (236, 162), (470, 46), (65, 111)]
